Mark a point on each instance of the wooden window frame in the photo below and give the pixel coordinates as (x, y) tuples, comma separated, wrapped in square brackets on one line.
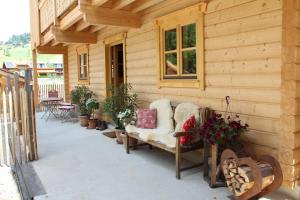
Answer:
[(176, 20), (83, 50)]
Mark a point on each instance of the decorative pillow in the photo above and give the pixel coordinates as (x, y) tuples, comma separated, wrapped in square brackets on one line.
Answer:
[(187, 126), (146, 118)]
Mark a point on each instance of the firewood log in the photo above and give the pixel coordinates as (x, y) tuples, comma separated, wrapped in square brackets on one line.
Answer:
[(239, 179)]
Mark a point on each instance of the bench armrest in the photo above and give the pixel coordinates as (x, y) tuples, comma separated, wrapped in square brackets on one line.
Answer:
[(180, 134)]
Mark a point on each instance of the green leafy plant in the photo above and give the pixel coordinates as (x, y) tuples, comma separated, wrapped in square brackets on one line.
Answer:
[(120, 100), (79, 96), (92, 104)]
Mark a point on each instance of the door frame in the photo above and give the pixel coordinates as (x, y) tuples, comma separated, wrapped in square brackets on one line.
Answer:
[(108, 43)]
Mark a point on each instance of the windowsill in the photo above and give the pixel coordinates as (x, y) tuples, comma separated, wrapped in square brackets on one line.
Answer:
[(181, 83), (83, 82)]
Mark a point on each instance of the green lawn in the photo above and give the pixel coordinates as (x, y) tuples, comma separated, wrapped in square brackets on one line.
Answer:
[(22, 55)]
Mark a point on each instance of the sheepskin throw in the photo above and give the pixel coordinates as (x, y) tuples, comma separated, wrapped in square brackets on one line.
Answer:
[(164, 125), (183, 112), (164, 113)]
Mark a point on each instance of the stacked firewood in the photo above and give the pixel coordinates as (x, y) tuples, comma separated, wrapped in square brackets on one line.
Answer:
[(240, 179)]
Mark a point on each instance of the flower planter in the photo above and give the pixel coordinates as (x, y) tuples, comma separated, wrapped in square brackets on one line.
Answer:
[(92, 124), (84, 120), (119, 133)]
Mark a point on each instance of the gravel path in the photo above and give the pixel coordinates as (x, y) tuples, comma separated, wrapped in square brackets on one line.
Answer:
[(8, 186)]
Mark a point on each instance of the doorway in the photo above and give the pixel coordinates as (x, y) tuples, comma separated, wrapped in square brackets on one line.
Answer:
[(116, 66), (115, 61)]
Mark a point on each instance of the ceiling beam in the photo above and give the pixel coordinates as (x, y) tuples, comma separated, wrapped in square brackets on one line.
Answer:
[(48, 37), (99, 2), (142, 5), (70, 19), (105, 16), (96, 28), (121, 4), (74, 37), (81, 25)]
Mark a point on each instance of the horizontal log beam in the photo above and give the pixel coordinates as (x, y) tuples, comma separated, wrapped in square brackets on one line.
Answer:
[(48, 37), (121, 4), (82, 25), (74, 37), (99, 2), (51, 50), (142, 5), (105, 16), (96, 28), (70, 19)]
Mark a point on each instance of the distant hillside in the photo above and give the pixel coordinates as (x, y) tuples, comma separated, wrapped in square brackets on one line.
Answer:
[(17, 49), (22, 54)]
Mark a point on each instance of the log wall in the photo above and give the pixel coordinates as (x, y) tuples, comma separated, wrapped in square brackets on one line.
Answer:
[(289, 154), (243, 49)]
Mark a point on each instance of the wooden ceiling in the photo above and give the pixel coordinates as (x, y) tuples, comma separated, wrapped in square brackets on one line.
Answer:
[(81, 23)]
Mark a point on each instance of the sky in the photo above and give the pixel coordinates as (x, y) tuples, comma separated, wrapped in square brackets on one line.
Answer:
[(14, 18)]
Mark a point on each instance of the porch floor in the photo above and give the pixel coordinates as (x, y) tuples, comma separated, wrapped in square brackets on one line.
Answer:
[(76, 163)]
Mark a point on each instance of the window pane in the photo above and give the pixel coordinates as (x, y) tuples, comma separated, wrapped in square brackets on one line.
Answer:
[(170, 40), (83, 72), (189, 62), (84, 59), (171, 64), (189, 36)]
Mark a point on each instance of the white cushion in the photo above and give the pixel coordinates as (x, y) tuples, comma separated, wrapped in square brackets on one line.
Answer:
[(183, 112)]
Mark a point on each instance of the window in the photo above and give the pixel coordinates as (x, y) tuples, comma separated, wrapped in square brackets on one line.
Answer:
[(180, 49), (83, 65)]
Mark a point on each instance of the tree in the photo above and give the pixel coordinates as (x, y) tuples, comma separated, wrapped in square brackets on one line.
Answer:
[(19, 39)]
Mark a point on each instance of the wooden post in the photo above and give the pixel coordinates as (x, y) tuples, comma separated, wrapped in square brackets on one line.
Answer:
[(66, 76), (178, 158), (6, 128), (31, 115), (35, 78), (11, 120)]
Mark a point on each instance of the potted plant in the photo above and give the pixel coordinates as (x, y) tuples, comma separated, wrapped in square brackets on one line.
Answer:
[(127, 117), (92, 104), (118, 101), (223, 132), (219, 134), (79, 96)]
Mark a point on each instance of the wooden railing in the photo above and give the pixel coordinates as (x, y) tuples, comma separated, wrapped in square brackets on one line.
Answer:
[(44, 88), (46, 14), (18, 137), (50, 10), (18, 141)]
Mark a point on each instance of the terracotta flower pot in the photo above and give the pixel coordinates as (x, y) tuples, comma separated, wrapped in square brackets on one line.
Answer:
[(92, 124), (83, 120), (119, 133)]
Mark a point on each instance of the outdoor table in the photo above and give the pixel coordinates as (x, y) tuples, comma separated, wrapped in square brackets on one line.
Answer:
[(50, 104), (66, 110)]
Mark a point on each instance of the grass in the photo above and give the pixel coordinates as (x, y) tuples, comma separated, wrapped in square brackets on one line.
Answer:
[(22, 55)]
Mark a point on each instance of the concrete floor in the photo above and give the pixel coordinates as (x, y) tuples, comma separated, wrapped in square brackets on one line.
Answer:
[(79, 164), (8, 187)]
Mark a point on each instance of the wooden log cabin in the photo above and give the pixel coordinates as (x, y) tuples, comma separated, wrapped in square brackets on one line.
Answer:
[(247, 49)]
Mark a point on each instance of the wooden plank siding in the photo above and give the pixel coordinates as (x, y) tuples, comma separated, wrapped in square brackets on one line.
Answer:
[(289, 151), (243, 50)]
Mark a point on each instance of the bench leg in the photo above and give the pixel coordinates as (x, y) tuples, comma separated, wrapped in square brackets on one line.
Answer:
[(178, 159), (150, 147), (127, 144)]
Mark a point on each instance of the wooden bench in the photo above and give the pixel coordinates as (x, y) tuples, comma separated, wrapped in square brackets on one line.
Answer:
[(179, 149)]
